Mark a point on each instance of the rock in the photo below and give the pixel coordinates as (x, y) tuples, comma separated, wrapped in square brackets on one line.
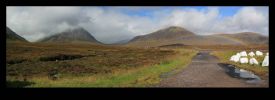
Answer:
[(266, 61), (253, 61), (238, 54), (243, 60), (259, 53), (251, 54), (243, 53), (232, 58), (235, 58)]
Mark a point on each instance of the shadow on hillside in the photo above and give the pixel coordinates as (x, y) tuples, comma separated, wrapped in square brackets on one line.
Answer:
[(18, 84)]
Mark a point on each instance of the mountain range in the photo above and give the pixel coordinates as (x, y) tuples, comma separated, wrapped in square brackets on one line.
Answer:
[(179, 35), (166, 36)]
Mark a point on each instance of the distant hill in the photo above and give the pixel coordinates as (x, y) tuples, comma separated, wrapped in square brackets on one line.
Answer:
[(178, 35), (12, 36), (121, 42), (164, 34), (248, 37), (71, 35)]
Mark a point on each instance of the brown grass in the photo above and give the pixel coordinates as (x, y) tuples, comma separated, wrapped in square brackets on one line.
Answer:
[(34, 59)]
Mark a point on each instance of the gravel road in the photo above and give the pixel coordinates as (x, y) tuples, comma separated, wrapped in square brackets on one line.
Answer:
[(204, 71)]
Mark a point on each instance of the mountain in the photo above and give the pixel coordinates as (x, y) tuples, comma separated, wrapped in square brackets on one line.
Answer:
[(12, 36), (248, 37), (164, 34), (71, 35), (178, 35)]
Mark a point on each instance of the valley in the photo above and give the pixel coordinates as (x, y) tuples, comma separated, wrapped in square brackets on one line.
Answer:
[(74, 58)]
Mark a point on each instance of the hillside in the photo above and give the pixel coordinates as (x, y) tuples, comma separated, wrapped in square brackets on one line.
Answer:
[(178, 35), (248, 37), (71, 35), (164, 34), (12, 36)]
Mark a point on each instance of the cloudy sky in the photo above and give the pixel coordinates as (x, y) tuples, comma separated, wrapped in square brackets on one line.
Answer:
[(110, 24)]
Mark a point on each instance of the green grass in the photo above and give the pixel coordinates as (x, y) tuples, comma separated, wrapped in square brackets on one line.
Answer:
[(224, 57), (144, 76)]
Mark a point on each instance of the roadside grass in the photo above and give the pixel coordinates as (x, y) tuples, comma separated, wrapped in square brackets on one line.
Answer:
[(224, 57), (145, 76)]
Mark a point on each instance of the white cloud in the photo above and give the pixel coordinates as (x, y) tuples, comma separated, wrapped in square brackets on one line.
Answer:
[(247, 19), (31, 22), (209, 21), (111, 24), (197, 21)]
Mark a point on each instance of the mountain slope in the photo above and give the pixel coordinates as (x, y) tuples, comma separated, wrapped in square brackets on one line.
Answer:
[(121, 42), (12, 36), (164, 34), (71, 35), (248, 37), (177, 35)]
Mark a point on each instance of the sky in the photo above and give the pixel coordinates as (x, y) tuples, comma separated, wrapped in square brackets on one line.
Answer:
[(110, 24)]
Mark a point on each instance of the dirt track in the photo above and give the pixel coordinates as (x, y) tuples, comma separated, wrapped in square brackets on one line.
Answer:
[(204, 71)]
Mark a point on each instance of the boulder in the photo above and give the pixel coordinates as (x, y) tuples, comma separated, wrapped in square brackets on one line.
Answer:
[(243, 53), (259, 53), (243, 60), (232, 58), (236, 58), (251, 54), (265, 61), (238, 54), (253, 61)]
